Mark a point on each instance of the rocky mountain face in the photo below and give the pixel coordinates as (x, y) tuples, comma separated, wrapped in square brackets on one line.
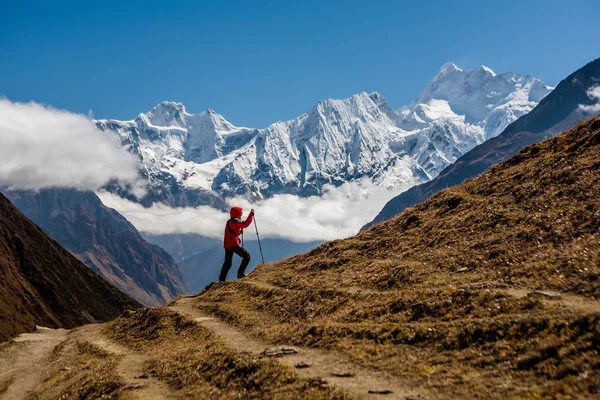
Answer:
[(195, 159), (43, 284), (573, 100), (105, 241)]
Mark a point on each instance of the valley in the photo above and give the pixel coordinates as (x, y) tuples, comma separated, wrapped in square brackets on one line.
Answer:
[(425, 305), (397, 219)]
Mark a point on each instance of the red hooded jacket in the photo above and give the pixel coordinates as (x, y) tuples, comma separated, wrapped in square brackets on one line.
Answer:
[(234, 227)]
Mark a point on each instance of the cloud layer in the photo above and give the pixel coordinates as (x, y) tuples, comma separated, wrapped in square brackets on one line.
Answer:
[(338, 213), (43, 147), (594, 94)]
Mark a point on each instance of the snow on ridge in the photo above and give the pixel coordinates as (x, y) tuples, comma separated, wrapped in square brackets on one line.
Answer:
[(488, 70), (336, 141), (449, 67)]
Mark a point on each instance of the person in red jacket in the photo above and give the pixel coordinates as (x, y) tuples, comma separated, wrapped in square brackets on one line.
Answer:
[(231, 243)]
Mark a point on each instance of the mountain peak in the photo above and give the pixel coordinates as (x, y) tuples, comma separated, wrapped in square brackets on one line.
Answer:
[(376, 96), (560, 110), (168, 106), (167, 113), (212, 117), (359, 104), (477, 92), (484, 69), (449, 67)]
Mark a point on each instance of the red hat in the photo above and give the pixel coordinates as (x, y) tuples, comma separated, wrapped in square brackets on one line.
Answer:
[(236, 212)]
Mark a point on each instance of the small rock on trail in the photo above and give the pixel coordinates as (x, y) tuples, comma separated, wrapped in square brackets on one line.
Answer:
[(342, 374), (279, 351), (383, 391), (547, 293)]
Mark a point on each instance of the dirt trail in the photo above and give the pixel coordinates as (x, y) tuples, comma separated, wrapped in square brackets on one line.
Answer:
[(357, 382), (578, 303), (25, 360), (130, 368)]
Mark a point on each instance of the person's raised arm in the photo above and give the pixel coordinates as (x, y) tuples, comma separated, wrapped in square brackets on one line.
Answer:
[(248, 220)]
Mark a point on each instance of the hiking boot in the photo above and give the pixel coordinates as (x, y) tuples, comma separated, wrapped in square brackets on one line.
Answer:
[(242, 275)]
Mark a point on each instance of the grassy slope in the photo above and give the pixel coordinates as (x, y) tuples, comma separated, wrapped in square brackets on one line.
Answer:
[(440, 295)]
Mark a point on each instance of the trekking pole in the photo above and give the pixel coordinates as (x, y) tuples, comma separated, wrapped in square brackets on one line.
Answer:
[(259, 246)]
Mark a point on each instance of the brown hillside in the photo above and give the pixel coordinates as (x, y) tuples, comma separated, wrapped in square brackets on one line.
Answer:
[(43, 284), (444, 295)]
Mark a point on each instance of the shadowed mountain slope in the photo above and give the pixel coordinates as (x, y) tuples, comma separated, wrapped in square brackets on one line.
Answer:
[(105, 241), (43, 284), (488, 289), (562, 109)]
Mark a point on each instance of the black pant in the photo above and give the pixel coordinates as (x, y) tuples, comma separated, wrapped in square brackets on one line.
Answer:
[(229, 251)]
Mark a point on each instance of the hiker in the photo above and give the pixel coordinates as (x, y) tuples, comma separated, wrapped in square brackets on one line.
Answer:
[(233, 229)]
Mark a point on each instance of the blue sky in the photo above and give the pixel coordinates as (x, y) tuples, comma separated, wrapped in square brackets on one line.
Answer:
[(257, 62)]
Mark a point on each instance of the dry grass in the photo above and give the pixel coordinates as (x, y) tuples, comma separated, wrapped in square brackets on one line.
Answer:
[(439, 306), (80, 370), (194, 362), (5, 384)]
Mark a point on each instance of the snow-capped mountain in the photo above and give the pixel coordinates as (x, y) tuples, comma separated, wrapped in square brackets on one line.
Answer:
[(460, 109), (335, 142), (479, 95), (572, 101), (176, 150)]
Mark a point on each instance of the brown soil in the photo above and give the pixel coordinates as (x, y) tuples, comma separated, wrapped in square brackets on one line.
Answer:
[(443, 297), (25, 360)]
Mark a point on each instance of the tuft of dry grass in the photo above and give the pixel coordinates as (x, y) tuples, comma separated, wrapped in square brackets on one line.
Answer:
[(194, 361), (80, 370), (442, 295)]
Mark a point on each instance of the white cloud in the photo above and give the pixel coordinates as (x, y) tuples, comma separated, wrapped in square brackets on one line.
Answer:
[(594, 94), (44, 147), (338, 213)]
